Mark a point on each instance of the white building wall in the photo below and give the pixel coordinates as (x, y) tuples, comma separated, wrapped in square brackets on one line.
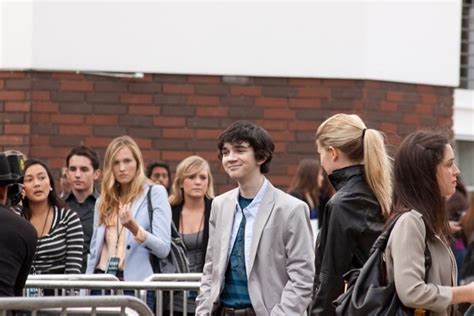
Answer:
[(404, 41)]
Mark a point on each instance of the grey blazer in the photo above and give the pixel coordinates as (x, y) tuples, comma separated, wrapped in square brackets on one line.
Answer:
[(406, 265), (281, 268)]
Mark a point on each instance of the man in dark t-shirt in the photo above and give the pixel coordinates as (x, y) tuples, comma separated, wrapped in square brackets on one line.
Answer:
[(82, 170), (17, 239)]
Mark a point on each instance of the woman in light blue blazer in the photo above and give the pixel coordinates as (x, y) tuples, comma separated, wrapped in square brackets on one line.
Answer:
[(121, 243)]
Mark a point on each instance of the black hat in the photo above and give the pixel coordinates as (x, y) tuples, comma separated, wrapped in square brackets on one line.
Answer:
[(6, 175)]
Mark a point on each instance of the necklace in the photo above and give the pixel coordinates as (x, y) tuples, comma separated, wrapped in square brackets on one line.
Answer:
[(200, 230)]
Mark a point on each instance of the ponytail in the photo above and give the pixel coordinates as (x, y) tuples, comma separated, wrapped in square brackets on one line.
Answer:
[(378, 169)]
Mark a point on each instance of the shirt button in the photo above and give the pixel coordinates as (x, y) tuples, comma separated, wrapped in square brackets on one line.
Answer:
[(128, 247)]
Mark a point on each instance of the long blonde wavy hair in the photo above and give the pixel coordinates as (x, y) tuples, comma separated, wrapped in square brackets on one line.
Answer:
[(348, 133), (186, 168), (110, 189)]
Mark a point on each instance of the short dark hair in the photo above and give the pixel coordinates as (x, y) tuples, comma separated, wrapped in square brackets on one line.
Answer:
[(153, 165), (415, 180), (257, 137), (86, 152)]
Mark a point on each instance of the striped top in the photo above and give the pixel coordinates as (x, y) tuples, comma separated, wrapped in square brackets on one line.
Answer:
[(60, 250)]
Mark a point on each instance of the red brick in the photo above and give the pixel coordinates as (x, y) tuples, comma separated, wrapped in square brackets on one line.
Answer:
[(17, 106), (278, 114), (144, 109), (273, 124), (204, 79), (169, 121), (394, 96), (11, 140), (56, 163), (17, 129), (429, 98), (40, 95), (284, 136), (44, 151), (246, 91), (12, 95), (305, 82), (178, 133), (305, 103), (143, 143), (97, 119), (388, 106), (136, 98), (13, 74), (208, 155), (208, 133), (212, 112), (2, 84), (67, 75), (280, 147), (317, 92), (74, 130), (76, 85), (303, 126), (411, 119), (271, 102), (171, 88), (424, 109), (41, 118), (48, 107), (176, 155), (67, 118), (340, 83), (203, 100), (389, 127), (371, 84), (425, 89), (95, 141), (37, 140)]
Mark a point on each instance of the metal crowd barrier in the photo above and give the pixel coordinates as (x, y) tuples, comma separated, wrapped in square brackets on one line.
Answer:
[(75, 305), (69, 287)]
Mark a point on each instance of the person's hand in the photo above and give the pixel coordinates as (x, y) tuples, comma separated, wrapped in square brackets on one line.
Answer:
[(126, 218), (454, 226)]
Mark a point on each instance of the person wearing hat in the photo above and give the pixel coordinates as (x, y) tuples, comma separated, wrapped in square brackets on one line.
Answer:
[(17, 237)]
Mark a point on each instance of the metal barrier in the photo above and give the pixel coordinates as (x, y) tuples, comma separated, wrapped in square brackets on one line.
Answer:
[(177, 277), (82, 277), (138, 287), (61, 305)]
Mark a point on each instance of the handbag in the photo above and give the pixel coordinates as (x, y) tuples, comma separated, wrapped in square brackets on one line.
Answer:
[(176, 261), (368, 291)]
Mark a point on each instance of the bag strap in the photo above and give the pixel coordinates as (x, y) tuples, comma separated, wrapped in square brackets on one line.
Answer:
[(174, 231), (150, 208)]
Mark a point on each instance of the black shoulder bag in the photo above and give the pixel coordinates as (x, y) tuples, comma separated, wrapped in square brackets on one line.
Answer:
[(368, 291), (176, 261)]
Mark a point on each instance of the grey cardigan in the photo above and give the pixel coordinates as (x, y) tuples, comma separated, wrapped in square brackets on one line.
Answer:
[(406, 265)]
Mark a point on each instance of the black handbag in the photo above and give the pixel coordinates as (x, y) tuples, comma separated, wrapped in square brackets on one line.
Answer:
[(368, 291), (176, 261)]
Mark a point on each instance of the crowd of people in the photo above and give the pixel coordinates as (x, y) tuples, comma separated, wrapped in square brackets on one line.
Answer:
[(254, 244)]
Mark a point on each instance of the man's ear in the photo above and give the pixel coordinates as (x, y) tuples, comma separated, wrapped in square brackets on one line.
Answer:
[(333, 153), (97, 174)]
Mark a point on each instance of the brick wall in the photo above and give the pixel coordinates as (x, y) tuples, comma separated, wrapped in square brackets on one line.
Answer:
[(44, 114)]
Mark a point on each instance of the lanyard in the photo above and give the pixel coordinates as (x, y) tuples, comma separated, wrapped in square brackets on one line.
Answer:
[(119, 233)]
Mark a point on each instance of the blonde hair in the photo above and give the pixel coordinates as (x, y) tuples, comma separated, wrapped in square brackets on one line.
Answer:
[(110, 189), (187, 168), (348, 133)]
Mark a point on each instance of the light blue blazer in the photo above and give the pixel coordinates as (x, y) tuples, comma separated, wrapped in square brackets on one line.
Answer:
[(137, 263)]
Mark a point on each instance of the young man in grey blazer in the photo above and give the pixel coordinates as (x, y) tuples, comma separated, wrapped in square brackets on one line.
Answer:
[(260, 257)]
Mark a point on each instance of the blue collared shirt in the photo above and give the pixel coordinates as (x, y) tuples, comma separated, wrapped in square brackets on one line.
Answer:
[(250, 213)]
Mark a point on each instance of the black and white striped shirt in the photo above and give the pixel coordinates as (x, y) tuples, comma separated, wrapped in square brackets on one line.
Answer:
[(60, 251)]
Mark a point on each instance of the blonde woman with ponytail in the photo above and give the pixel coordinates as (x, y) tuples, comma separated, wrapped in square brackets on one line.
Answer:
[(122, 240), (359, 168)]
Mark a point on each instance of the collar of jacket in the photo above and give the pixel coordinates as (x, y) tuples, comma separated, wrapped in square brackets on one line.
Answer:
[(341, 177)]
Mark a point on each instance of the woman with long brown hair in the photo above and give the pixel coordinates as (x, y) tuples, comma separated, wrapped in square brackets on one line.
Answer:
[(425, 175)]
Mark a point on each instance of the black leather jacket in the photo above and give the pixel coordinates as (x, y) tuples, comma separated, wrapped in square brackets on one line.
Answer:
[(352, 221)]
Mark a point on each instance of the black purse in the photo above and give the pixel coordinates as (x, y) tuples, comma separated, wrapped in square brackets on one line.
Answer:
[(176, 261), (368, 291)]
